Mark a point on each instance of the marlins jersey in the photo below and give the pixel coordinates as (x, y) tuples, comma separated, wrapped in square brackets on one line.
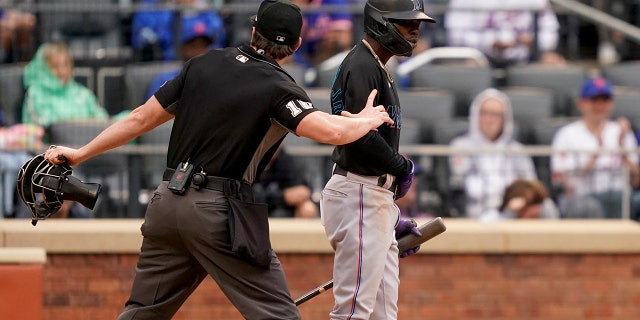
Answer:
[(219, 125), (377, 152)]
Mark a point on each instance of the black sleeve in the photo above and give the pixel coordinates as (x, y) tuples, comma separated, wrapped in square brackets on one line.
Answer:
[(171, 91), (291, 105)]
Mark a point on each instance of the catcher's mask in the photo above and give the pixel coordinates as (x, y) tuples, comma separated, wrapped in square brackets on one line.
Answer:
[(43, 187)]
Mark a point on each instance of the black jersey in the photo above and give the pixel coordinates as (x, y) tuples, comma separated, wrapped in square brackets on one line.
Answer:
[(377, 152), (233, 107)]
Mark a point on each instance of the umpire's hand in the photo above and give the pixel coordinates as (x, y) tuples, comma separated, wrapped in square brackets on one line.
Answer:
[(378, 112), (59, 154)]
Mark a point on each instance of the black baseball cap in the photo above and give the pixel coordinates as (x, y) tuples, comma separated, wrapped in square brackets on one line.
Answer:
[(279, 21)]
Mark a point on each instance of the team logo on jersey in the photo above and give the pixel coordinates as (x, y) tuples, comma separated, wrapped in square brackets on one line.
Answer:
[(242, 58)]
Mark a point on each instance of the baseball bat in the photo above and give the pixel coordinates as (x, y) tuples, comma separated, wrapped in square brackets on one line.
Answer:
[(429, 231)]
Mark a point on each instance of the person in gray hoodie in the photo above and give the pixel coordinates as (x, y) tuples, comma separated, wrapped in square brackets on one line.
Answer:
[(488, 164)]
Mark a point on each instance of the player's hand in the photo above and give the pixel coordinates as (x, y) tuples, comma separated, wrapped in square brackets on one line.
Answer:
[(59, 154), (405, 227), (377, 114), (404, 183)]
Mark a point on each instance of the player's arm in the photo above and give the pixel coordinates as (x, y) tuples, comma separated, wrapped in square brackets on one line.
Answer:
[(139, 121), (343, 129)]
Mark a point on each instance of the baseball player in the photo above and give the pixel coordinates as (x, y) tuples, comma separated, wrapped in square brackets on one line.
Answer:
[(232, 108), (357, 205)]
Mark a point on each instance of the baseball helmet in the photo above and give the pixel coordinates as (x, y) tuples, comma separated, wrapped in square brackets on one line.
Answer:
[(378, 22), (43, 187)]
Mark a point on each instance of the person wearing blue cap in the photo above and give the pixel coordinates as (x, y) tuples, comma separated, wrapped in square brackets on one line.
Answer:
[(592, 176), (155, 32), (198, 36)]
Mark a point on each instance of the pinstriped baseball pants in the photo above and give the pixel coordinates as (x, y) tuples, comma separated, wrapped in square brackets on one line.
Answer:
[(359, 219)]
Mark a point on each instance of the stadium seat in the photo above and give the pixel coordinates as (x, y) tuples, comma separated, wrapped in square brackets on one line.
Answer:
[(321, 98), (92, 32), (530, 105), (11, 92), (445, 131), (463, 82), (110, 89), (108, 169), (139, 76), (547, 128), (626, 101), (85, 76), (623, 74), (297, 71), (326, 70), (153, 164), (565, 83), (429, 107)]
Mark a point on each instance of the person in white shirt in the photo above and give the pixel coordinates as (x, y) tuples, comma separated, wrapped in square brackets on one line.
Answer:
[(504, 30), (485, 175), (608, 147)]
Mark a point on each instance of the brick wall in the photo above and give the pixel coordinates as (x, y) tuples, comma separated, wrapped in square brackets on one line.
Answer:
[(433, 286)]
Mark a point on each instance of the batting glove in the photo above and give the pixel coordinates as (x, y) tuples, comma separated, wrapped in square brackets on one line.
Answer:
[(405, 182), (405, 227)]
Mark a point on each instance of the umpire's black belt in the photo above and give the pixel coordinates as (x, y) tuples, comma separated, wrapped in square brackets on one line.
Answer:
[(213, 183), (386, 180)]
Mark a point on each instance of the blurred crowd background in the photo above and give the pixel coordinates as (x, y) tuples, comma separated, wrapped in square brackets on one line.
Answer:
[(511, 108)]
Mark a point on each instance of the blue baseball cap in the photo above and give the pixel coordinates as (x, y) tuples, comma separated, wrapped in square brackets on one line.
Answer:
[(197, 27), (596, 87)]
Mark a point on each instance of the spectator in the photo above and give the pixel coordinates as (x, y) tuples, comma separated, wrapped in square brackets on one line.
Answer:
[(524, 199), (52, 95), (484, 175), (281, 186), (16, 34), (325, 33), (594, 173), (503, 30), (153, 30), (198, 35)]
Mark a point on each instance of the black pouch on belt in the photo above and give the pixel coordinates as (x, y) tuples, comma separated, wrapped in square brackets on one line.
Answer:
[(248, 225)]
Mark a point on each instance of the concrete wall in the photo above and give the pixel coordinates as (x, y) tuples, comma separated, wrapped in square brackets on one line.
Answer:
[(565, 269)]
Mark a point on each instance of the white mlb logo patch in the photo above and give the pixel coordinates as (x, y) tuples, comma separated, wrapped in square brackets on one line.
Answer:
[(242, 58)]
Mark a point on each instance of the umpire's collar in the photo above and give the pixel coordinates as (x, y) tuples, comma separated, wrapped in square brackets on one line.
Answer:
[(251, 53)]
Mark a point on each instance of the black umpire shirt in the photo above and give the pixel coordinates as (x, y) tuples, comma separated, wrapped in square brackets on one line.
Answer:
[(233, 107), (377, 152)]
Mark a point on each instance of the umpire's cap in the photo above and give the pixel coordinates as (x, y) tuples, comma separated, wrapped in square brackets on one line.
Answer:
[(279, 21)]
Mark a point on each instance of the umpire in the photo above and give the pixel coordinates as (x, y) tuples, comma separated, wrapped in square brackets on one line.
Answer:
[(232, 108)]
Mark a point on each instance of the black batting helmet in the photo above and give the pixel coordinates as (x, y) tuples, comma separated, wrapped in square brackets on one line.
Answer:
[(378, 18), (43, 187)]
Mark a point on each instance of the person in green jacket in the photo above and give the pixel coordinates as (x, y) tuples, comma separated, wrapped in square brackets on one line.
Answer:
[(52, 95)]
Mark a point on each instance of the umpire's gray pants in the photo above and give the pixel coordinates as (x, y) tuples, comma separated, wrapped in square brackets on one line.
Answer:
[(187, 237)]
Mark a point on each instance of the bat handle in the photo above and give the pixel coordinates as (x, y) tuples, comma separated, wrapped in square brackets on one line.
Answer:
[(311, 294)]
